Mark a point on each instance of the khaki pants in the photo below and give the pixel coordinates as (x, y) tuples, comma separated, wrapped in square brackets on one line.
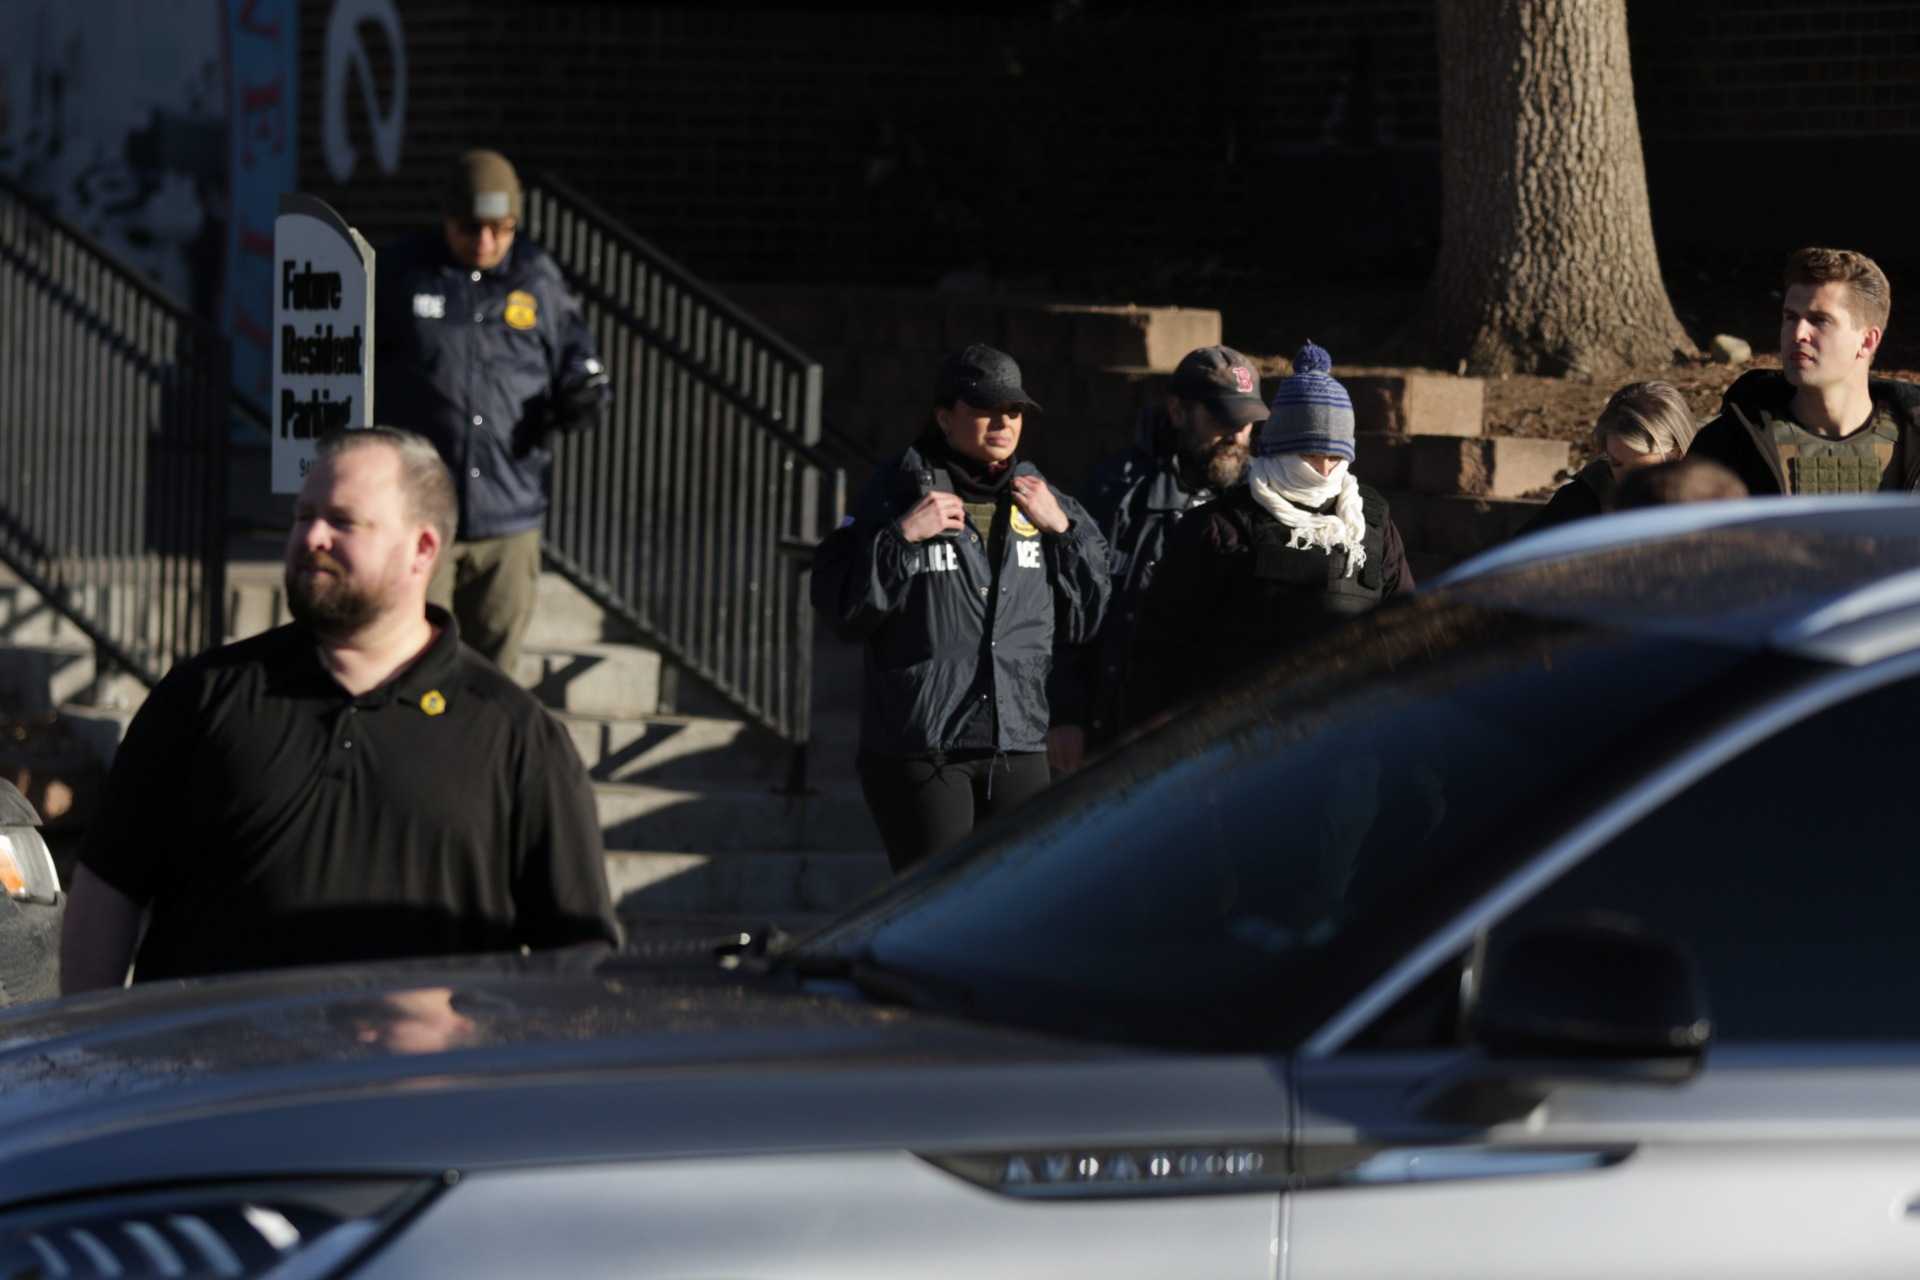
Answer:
[(489, 586)]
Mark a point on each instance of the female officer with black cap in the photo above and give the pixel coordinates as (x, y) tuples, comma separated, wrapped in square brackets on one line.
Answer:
[(956, 567)]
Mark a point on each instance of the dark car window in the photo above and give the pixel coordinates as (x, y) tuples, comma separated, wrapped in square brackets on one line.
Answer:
[(1229, 877), (1792, 874)]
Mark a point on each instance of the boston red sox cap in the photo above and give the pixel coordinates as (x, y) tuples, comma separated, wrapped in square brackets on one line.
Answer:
[(1224, 380)]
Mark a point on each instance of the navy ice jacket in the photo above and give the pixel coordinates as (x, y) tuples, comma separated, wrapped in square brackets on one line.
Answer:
[(481, 363), (946, 636)]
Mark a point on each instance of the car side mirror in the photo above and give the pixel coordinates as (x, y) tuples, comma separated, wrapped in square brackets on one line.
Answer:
[(1599, 988), (1595, 999)]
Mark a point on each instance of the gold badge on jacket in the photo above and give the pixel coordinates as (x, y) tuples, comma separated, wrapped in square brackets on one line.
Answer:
[(523, 309), (433, 702), (1023, 526)]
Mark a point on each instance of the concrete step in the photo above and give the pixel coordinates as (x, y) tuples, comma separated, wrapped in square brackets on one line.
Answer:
[(677, 751), (732, 820), (778, 884), (256, 602), (1453, 528), (26, 618), (1487, 467), (563, 615), (1414, 402), (613, 680), (36, 678)]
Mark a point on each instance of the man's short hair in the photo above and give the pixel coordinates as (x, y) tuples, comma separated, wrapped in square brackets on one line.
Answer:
[(424, 479), (1648, 417), (1688, 480), (1866, 283)]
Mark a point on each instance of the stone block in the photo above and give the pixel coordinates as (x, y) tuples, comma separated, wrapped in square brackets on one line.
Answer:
[(1140, 337), (1447, 529), (1415, 403), (1727, 349), (1489, 466), (1382, 459)]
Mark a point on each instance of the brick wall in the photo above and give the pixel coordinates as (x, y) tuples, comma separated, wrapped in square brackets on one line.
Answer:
[(1736, 69), (1092, 367), (1124, 150)]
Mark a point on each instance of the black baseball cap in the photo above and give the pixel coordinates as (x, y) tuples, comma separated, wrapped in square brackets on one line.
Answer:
[(1222, 379), (983, 377)]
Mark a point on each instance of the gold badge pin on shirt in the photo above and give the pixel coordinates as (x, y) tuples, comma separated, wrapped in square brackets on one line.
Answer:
[(523, 310), (432, 702), (1023, 526)]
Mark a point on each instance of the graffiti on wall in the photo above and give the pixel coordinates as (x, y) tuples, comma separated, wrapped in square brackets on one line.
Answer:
[(348, 62), (166, 133), (115, 115), (262, 86)]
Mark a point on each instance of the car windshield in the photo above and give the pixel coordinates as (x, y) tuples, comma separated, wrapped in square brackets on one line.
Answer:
[(1226, 878)]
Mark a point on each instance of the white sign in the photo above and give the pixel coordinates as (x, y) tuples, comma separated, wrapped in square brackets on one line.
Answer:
[(322, 333)]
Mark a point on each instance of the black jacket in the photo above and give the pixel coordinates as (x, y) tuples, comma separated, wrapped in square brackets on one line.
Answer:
[(486, 364), (1738, 441), (1231, 595), (947, 634), (1135, 497), (1583, 496)]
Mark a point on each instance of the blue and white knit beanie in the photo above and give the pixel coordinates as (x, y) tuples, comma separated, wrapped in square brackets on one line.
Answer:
[(1310, 412)]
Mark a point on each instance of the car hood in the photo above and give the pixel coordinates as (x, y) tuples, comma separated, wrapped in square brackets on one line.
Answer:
[(302, 1028), (461, 1066)]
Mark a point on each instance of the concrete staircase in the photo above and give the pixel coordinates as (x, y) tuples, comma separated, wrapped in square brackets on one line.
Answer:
[(692, 800)]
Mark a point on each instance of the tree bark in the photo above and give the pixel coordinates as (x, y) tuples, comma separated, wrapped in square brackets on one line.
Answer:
[(1547, 263)]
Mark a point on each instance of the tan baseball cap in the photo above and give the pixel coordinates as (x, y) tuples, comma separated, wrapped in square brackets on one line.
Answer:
[(482, 188)]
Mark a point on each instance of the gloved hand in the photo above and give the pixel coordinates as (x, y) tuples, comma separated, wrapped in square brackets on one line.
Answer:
[(579, 401)]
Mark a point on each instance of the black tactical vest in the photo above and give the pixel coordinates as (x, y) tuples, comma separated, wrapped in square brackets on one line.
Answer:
[(1296, 592)]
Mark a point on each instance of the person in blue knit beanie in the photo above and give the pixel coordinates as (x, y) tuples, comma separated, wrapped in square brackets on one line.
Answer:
[(1301, 548)]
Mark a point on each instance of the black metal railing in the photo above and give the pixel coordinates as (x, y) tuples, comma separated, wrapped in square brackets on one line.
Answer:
[(693, 516), (113, 428)]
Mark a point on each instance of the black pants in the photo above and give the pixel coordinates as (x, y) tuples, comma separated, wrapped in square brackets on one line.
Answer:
[(925, 805)]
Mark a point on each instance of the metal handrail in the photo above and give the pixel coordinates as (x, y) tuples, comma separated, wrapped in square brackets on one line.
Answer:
[(682, 516), (661, 262), (113, 420)]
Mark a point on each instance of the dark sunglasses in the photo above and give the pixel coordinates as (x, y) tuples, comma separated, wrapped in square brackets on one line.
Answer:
[(471, 227)]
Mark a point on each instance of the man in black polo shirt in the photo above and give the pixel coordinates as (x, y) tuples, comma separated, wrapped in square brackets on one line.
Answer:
[(356, 785)]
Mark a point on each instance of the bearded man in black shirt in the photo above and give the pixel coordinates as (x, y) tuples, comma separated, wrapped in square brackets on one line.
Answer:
[(356, 785)]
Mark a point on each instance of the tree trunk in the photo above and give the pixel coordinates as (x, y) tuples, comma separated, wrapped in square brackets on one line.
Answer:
[(1547, 262)]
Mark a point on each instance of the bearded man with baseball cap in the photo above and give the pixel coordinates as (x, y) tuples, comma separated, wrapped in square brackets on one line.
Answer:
[(1302, 547), (1186, 451), (480, 347)]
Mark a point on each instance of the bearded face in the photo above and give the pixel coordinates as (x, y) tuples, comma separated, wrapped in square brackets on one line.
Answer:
[(353, 554), (1212, 452), (322, 597), (1223, 461)]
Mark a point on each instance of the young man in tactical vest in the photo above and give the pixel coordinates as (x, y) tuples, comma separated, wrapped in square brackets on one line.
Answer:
[(1185, 452), (1820, 423)]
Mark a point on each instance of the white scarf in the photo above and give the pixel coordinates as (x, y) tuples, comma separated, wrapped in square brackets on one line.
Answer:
[(1289, 489)]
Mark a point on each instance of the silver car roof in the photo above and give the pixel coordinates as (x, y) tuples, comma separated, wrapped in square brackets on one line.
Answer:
[(1836, 579)]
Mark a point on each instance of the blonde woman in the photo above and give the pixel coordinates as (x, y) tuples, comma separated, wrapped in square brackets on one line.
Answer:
[(1643, 425)]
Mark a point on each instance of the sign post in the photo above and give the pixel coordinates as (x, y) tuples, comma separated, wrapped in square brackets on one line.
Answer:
[(322, 333)]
